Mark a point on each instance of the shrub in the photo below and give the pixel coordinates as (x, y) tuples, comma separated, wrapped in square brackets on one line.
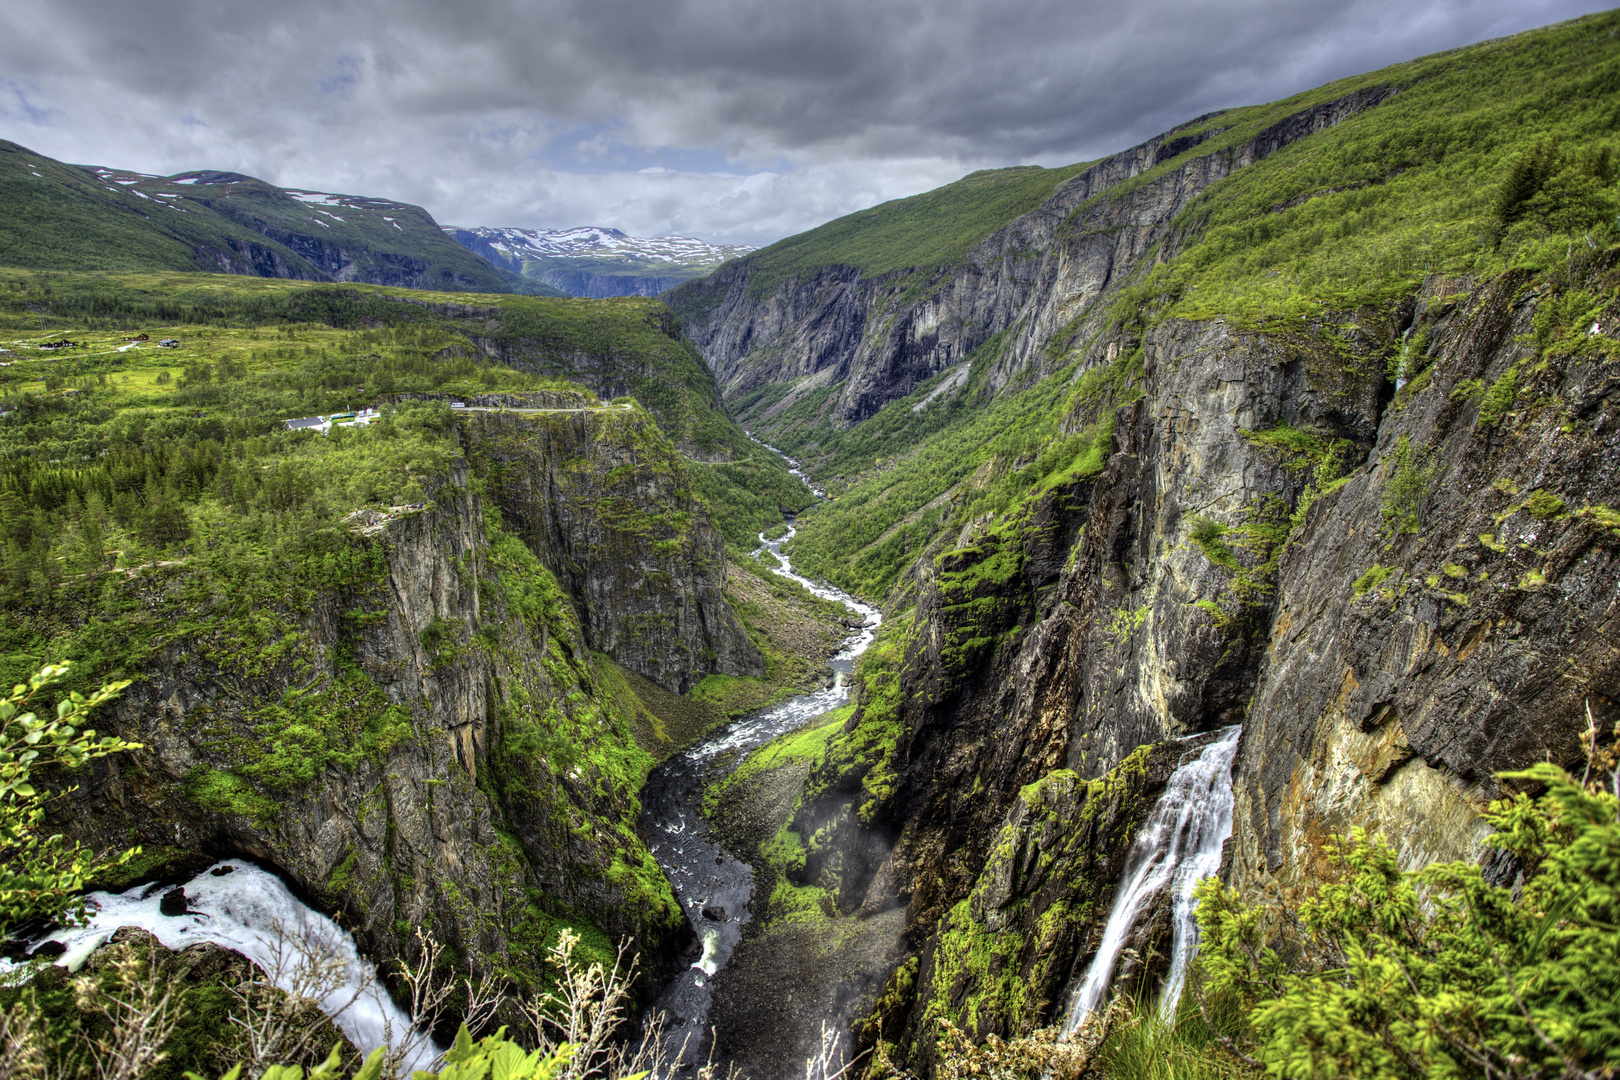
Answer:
[(1209, 535), (1373, 578), (1407, 488), (41, 877), (1493, 408), (1544, 505), (1436, 972)]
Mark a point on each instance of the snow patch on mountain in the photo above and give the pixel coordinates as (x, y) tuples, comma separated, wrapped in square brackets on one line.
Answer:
[(598, 242)]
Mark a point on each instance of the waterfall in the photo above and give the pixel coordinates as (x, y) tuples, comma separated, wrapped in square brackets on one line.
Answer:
[(246, 909), (1178, 846)]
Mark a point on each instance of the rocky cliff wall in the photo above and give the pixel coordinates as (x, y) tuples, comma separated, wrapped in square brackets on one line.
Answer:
[(442, 742), (604, 283), (1397, 593), (1410, 658), (878, 338), (603, 499)]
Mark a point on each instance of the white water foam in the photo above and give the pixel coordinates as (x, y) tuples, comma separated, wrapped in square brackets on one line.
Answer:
[(252, 912), (871, 618), (1178, 846)]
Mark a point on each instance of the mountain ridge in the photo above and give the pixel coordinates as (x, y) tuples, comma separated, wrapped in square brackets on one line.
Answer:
[(92, 217), (595, 261)]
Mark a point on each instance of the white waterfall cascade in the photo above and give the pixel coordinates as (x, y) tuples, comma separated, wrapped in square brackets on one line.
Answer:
[(1178, 846), (246, 909)]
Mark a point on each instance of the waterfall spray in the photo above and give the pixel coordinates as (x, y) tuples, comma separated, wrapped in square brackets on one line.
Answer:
[(241, 907)]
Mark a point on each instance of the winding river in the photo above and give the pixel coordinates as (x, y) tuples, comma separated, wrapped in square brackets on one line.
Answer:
[(714, 886), (247, 909)]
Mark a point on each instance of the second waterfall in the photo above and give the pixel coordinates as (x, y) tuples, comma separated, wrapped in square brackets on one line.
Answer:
[(1179, 845)]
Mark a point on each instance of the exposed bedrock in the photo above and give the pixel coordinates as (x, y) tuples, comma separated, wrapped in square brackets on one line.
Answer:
[(605, 501), (880, 337), (1418, 595)]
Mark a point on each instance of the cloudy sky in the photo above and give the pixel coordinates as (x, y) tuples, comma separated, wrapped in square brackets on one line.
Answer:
[(731, 120)]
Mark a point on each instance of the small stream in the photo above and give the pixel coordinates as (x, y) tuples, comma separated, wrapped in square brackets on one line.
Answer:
[(714, 886)]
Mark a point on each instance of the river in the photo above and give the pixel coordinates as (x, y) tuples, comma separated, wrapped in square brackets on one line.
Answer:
[(714, 886), (242, 907)]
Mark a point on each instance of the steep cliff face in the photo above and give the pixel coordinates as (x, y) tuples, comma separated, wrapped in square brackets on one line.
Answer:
[(1452, 611), (600, 495), (604, 283), (444, 741), (1397, 596), (870, 340)]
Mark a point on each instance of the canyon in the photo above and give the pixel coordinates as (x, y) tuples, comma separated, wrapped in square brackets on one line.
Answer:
[(1104, 522)]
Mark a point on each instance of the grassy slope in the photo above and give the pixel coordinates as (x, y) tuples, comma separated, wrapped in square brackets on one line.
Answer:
[(64, 218), (937, 228), (68, 217), (1359, 212), (1351, 215)]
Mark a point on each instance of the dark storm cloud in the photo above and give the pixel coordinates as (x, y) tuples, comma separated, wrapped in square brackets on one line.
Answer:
[(730, 119)]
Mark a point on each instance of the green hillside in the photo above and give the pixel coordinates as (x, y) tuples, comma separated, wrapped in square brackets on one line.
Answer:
[(937, 228), (1499, 155), (629, 344), (1406, 186), (70, 217)]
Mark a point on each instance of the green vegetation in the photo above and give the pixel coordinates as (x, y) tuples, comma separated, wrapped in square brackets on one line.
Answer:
[(256, 351), (808, 745), (1495, 402), (748, 497), (990, 977), (1496, 155), (1407, 488), (1209, 535), (1436, 972), (1372, 579), (1491, 157), (732, 696), (1488, 157), (42, 877), (1544, 505), (850, 756)]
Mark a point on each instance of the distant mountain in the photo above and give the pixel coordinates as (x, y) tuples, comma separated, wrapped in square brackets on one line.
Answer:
[(80, 217), (597, 262)]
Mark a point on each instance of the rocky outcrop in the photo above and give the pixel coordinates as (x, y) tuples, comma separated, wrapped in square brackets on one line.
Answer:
[(602, 497), (1397, 596), (877, 339), (442, 741)]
